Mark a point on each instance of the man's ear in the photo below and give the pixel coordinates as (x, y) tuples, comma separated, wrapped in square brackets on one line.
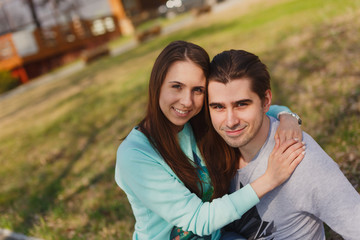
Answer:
[(267, 100)]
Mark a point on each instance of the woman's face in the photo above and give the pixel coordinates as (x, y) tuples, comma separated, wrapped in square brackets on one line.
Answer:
[(182, 92)]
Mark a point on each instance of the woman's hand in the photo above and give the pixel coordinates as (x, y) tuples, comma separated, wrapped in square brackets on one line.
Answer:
[(282, 162), (289, 128)]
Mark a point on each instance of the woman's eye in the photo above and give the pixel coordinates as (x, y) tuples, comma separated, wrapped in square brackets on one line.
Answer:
[(177, 86), (199, 90)]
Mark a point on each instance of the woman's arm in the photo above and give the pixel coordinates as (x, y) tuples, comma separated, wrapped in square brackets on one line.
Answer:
[(290, 123), (151, 181)]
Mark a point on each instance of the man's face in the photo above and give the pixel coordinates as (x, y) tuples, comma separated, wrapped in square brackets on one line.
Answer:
[(237, 113)]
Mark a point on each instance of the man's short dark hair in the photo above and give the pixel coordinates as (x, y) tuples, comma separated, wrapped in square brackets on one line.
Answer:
[(239, 64)]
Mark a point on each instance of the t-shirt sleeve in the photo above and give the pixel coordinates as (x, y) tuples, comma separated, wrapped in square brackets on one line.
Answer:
[(146, 179)]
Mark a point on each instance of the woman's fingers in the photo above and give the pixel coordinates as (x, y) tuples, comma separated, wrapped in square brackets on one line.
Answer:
[(284, 159), (288, 152), (285, 145), (294, 150), (297, 161), (277, 143)]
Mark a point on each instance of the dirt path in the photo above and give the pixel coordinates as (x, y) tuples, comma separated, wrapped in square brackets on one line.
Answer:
[(6, 234)]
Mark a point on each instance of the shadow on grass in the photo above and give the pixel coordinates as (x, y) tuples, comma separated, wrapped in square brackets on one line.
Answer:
[(45, 198)]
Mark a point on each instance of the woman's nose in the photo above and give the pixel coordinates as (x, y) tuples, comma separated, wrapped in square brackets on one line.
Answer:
[(186, 99)]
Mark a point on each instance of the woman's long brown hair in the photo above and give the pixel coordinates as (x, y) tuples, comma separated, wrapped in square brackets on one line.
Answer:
[(162, 134)]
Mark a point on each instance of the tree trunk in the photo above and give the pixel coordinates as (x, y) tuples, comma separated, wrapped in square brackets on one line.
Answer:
[(33, 13)]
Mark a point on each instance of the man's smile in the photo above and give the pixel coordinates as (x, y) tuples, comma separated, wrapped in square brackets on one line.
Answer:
[(235, 132)]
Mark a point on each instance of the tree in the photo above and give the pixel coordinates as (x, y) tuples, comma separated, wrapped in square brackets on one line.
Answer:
[(34, 13), (32, 6)]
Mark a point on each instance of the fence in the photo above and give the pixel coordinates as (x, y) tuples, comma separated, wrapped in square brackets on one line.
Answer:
[(37, 51)]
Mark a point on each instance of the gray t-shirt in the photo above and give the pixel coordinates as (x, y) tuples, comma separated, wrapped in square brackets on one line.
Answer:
[(316, 192)]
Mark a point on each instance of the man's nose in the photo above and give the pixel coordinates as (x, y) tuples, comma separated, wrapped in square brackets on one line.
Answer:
[(231, 119)]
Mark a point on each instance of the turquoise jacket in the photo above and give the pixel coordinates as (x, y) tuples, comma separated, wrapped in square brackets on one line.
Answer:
[(159, 199)]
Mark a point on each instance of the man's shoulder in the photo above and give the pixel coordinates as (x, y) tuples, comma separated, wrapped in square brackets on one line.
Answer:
[(316, 161), (315, 156), (307, 138), (274, 124), (312, 146)]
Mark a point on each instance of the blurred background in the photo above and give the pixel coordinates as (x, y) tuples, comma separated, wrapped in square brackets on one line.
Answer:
[(73, 83), (40, 35)]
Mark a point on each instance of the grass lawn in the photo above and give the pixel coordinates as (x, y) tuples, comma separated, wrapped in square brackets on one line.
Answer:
[(58, 141)]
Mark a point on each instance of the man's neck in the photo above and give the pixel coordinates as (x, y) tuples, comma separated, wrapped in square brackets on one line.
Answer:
[(249, 151)]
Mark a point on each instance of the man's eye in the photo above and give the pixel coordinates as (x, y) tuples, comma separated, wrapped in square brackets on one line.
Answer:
[(217, 107), (241, 104)]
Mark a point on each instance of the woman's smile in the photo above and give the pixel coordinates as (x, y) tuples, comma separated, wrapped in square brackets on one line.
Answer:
[(181, 112)]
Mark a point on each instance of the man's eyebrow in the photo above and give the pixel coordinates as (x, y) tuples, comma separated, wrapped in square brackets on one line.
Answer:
[(233, 103), (242, 101), (214, 104)]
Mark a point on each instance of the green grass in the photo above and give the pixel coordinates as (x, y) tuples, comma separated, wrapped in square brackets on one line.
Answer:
[(58, 142)]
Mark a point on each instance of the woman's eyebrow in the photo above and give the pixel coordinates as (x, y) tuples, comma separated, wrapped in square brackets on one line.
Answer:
[(176, 82)]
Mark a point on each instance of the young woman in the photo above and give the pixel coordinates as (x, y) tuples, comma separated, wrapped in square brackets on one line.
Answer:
[(160, 166)]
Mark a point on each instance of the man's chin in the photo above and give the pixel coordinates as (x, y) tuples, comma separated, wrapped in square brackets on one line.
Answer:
[(234, 144), (238, 142)]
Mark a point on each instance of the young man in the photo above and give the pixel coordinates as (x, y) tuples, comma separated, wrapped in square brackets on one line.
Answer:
[(239, 95)]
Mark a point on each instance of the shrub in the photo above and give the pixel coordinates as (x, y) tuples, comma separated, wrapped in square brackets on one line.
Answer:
[(7, 82)]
